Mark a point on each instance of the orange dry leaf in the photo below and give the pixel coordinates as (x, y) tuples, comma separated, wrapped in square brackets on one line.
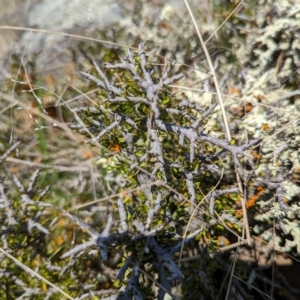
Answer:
[(265, 127), (115, 148), (59, 240), (106, 285), (260, 189), (222, 241), (259, 97), (234, 91), (252, 200), (248, 106), (256, 155), (62, 222), (239, 213), (87, 153)]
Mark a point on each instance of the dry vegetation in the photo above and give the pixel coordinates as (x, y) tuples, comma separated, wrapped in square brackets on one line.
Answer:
[(155, 158)]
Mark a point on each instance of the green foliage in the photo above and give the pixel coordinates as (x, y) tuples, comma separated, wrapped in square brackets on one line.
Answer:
[(159, 143)]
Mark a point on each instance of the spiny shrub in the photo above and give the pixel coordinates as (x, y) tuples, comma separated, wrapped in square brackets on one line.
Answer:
[(173, 196)]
